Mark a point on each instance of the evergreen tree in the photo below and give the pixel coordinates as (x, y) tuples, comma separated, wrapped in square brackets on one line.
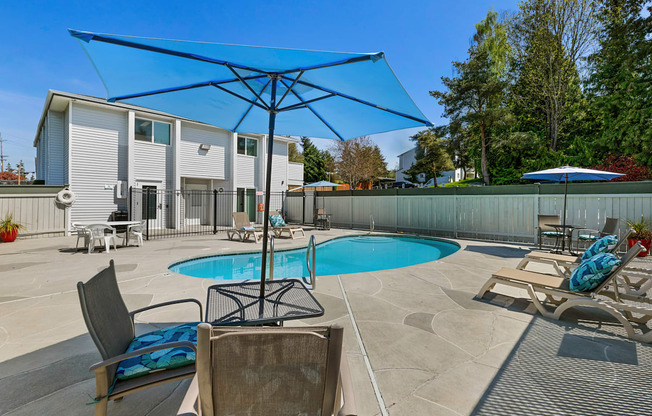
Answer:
[(432, 157), (314, 164)]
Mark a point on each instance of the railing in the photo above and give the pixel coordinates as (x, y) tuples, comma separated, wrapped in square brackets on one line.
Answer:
[(372, 223), (172, 213), (271, 257), (312, 271)]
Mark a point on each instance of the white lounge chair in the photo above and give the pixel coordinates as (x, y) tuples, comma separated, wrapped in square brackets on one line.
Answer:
[(243, 228)]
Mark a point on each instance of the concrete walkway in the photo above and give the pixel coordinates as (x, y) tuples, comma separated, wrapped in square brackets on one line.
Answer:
[(417, 341)]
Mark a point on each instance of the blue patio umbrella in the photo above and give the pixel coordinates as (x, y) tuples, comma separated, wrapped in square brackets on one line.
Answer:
[(321, 184), (571, 173), (255, 89)]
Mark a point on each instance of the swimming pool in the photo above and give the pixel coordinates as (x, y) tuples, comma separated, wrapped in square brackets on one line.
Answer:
[(338, 256)]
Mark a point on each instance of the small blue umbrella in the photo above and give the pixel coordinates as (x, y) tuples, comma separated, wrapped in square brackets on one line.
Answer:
[(321, 184), (571, 173), (255, 89)]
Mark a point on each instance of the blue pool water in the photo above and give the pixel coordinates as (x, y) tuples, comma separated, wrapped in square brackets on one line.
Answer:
[(339, 256)]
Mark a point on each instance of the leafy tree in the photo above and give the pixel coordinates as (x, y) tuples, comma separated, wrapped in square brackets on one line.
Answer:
[(620, 84), (9, 168), (625, 164), (314, 164), (474, 100), (358, 160), (294, 155), (431, 157), (548, 38)]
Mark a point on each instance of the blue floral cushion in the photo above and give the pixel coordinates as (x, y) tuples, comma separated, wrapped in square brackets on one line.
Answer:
[(603, 245), (551, 233), (277, 221), (162, 359), (248, 228), (592, 272), (588, 237)]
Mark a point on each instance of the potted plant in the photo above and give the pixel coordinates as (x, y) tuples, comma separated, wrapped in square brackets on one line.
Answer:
[(641, 232), (9, 229)]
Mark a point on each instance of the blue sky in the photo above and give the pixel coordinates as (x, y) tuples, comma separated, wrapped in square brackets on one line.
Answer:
[(420, 39)]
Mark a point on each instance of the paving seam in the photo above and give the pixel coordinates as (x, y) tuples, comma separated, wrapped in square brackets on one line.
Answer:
[(370, 371)]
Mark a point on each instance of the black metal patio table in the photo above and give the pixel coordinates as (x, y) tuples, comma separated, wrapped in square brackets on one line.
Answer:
[(241, 304), (561, 236)]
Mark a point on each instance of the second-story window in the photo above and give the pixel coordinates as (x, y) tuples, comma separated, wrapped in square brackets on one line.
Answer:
[(152, 131), (247, 146)]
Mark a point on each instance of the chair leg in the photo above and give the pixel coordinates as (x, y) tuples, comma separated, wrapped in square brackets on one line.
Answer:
[(107, 244)]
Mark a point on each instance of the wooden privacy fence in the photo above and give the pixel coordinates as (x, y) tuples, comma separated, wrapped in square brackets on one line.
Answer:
[(34, 207), (506, 213)]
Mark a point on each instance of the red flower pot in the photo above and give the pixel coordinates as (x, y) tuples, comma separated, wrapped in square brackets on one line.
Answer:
[(8, 236), (644, 243)]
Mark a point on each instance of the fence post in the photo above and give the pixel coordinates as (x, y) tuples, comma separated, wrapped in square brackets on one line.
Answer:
[(147, 214), (537, 209), (130, 203), (214, 211), (303, 206), (455, 211)]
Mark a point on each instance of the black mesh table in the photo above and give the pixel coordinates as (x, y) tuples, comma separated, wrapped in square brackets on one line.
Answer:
[(240, 304)]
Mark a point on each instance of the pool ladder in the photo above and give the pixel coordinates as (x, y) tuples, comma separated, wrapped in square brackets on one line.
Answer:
[(312, 271)]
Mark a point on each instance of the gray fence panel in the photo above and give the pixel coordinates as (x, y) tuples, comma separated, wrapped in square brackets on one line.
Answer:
[(39, 213)]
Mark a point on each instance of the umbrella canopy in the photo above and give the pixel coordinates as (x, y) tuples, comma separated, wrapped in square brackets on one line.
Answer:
[(255, 90), (570, 173), (320, 184)]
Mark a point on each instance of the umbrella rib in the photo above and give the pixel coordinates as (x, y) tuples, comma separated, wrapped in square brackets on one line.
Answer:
[(315, 113), (247, 85), (358, 100), (287, 90), (179, 88), (250, 107), (240, 96), (373, 57), (165, 51), (304, 103)]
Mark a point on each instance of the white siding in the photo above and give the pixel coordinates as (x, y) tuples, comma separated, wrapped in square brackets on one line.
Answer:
[(66, 145), (40, 156), (55, 148), (295, 173), (150, 161), (198, 163), (279, 167), (98, 140), (248, 171)]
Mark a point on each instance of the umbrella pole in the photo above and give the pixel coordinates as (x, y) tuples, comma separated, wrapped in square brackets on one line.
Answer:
[(268, 182), (563, 237)]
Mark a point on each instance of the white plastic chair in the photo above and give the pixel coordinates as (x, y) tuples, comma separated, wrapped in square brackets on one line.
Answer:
[(96, 232), (81, 232), (135, 230)]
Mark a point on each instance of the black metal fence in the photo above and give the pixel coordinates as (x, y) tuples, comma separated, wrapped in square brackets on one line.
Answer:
[(168, 213)]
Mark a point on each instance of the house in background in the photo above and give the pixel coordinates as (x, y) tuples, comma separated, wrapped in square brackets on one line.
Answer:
[(102, 149), (409, 158)]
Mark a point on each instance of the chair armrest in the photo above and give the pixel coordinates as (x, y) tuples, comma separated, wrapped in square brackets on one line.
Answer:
[(172, 302), (142, 351), (348, 408), (187, 407)]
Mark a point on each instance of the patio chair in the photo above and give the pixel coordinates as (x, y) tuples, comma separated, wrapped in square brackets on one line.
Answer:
[(279, 226), (322, 220), (244, 229), (545, 231), (620, 306), (588, 235), (111, 326), (81, 233), (135, 230), (269, 371), (97, 232)]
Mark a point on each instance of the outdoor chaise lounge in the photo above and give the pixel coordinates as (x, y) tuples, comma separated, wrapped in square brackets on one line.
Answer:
[(279, 226), (269, 371), (128, 364), (558, 293), (244, 229)]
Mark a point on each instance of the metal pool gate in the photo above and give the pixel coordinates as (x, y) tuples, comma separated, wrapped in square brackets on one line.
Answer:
[(168, 213)]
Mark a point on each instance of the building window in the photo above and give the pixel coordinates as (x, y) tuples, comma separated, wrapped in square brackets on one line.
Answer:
[(152, 131), (247, 146)]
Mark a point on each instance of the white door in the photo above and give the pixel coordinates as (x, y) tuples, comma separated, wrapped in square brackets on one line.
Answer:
[(197, 208)]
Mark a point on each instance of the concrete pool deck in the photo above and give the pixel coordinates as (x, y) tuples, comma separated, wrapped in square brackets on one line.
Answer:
[(417, 340)]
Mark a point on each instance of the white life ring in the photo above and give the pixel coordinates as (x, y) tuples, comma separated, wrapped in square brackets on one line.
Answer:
[(66, 197)]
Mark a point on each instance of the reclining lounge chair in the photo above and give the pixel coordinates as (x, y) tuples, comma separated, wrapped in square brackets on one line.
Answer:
[(244, 229), (620, 306), (279, 226)]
